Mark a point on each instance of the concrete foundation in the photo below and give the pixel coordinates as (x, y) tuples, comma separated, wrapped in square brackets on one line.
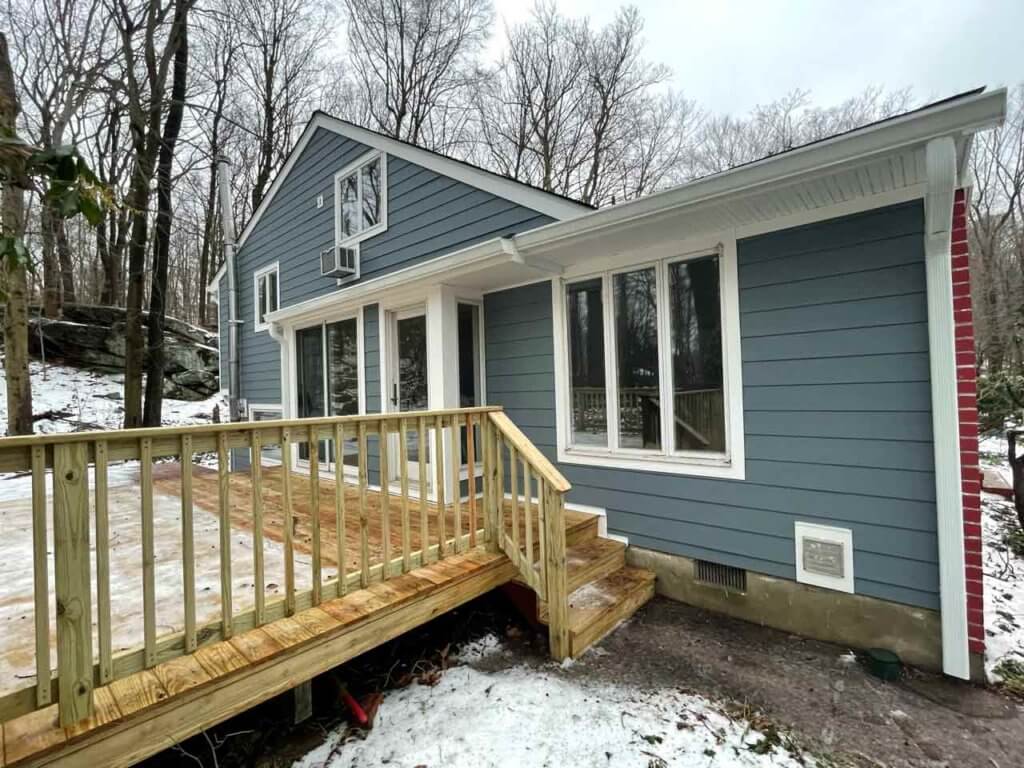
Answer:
[(855, 621)]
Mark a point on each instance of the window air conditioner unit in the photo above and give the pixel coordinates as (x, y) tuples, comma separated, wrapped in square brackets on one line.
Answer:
[(338, 261)]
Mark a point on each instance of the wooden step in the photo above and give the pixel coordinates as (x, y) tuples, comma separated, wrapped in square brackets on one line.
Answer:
[(596, 608), (580, 527), (589, 561)]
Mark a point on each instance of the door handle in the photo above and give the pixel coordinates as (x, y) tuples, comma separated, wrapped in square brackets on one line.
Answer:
[(394, 395)]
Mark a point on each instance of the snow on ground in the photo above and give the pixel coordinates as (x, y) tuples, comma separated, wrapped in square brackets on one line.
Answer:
[(1003, 568), (542, 717), (75, 399)]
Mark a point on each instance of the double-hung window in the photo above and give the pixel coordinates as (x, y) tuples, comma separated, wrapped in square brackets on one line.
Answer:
[(361, 195), (267, 294), (649, 369)]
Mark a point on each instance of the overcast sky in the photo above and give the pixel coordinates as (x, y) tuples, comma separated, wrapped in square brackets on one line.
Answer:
[(730, 55)]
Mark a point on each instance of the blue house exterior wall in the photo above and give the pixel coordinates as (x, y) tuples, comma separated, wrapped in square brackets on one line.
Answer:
[(429, 215), (837, 409)]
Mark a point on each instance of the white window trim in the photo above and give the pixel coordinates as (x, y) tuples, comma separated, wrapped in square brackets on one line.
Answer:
[(732, 465), (257, 276), (352, 241)]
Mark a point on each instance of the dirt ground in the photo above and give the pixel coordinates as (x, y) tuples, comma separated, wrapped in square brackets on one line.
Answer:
[(815, 691), (832, 705)]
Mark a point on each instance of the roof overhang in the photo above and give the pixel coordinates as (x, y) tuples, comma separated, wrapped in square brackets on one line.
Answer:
[(874, 166)]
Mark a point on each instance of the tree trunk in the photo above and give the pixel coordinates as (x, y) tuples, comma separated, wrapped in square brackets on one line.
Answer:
[(12, 217), (161, 246), (67, 270), (51, 278)]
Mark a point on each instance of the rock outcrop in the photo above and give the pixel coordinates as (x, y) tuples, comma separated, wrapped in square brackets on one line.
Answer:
[(93, 337)]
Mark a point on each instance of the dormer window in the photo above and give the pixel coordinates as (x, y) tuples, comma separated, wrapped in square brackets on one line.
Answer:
[(361, 195)]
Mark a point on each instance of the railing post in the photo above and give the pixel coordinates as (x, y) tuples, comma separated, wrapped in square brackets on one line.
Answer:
[(72, 582), (556, 573)]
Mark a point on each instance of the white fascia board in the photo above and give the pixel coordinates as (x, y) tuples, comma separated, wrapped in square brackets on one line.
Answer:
[(964, 116), (548, 203)]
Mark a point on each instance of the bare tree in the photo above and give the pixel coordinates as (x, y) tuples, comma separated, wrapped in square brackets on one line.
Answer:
[(12, 219), (415, 60), (156, 357), (280, 41), (62, 52), (150, 33), (996, 215)]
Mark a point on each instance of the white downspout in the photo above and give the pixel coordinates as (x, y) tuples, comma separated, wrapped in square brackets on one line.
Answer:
[(227, 227), (941, 163)]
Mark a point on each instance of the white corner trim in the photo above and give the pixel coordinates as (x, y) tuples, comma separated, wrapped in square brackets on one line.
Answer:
[(733, 464), (258, 275), (941, 162), (832, 535)]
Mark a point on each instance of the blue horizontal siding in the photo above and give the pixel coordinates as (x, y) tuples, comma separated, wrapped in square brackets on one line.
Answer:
[(836, 409), (429, 215)]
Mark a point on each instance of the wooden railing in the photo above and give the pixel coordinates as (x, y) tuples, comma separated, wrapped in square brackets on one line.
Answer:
[(530, 524), (80, 464)]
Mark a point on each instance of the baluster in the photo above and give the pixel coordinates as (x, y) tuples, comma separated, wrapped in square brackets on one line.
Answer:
[(314, 508), (528, 528), (403, 466), (40, 576), (364, 519), (256, 478), (339, 505), (424, 446), (513, 481), (439, 481), (188, 552), (289, 521), (456, 466), (498, 471), (103, 565), (525, 510), (148, 554), (72, 582), (542, 584), (385, 500), (471, 477), (224, 518)]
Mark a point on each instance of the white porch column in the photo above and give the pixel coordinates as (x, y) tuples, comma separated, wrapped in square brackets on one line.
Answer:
[(443, 367)]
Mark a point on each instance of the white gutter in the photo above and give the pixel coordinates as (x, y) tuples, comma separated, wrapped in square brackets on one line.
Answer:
[(959, 117)]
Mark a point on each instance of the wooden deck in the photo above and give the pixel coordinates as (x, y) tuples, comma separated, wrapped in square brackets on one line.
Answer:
[(188, 594), (154, 709)]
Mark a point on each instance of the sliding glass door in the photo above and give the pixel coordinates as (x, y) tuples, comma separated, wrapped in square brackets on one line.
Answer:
[(327, 380)]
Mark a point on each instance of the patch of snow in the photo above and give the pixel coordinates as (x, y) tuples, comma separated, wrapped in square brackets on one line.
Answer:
[(479, 649), (76, 399), (1004, 585), (523, 716)]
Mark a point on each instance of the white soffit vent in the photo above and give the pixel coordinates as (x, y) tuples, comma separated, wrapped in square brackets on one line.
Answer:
[(824, 556)]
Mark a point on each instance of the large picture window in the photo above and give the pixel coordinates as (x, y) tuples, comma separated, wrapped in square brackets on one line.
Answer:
[(645, 364)]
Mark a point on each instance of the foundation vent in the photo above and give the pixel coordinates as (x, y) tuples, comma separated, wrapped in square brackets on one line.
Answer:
[(720, 575)]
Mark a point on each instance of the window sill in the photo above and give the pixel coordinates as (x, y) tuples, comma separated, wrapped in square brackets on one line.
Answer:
[(670, 465), (354, 240), (261, 327)]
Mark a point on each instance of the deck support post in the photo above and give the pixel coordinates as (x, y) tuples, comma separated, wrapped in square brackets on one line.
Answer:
[(72, 582), (302, 702), (557, 573), (493, 492)]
